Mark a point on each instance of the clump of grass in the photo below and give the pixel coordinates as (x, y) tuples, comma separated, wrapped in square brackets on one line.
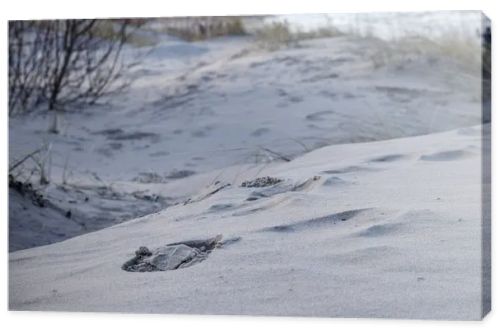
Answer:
[(276, 35), (464, 52), (202, 28), (327, 30), (107, 30), (324, 32), (140, 40), (233, 27)]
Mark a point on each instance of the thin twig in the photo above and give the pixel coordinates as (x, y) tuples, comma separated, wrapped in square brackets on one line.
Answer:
[(279, 155), (18, 163)]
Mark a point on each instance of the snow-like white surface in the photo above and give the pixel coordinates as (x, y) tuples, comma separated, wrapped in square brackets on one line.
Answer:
[(200, 106), (378, 214), (407, 242), (197, 107)]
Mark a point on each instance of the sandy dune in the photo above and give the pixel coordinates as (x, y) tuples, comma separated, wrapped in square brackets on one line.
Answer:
[(393, 234), (338, 176), (200, 107)]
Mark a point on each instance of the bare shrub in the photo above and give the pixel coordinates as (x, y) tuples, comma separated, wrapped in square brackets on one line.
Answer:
[(61, 63)]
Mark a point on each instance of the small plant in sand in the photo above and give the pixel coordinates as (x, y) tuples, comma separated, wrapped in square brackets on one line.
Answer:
[(199, 28), (279, 34), (276, 35), (42, 160)]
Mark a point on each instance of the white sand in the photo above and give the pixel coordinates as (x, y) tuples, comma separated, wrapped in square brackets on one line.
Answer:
[(410, 248), (199, 107), (368, 222)]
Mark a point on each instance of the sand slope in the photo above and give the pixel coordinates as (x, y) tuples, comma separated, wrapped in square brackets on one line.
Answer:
[(198, 107), (388, 228)]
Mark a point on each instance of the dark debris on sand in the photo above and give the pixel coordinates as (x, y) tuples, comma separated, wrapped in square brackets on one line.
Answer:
[(261, 182), (173, 256), (26, 189)]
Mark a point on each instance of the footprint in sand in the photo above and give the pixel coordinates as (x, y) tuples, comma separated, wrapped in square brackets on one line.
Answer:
[(259, 132), (379, 230), (329, 220), (318, 116), (406, 222), (220, 207), (445, 156), (349, 169), (387, 158)]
